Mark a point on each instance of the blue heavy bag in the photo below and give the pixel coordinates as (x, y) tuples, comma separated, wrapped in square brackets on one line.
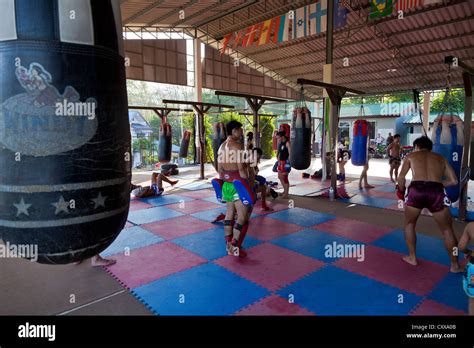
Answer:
[(359, 143), (453, 154)]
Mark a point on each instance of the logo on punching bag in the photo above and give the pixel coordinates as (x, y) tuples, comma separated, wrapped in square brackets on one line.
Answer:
[(43, 122)]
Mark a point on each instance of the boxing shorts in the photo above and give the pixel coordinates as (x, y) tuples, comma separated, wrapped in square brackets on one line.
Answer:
[(427, 194), (394, 160)]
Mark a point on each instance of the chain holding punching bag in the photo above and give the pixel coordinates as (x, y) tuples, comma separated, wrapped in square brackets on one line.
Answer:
[(301, 139), (65, 162)]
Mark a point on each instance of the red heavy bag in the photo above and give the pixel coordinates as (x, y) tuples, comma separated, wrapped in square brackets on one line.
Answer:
[(164, 148), (360, 143), (183, 150)]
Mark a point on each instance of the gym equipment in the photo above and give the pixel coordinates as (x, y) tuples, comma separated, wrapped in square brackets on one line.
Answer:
[(170, 168), (65, 157), (183, 150), (360, 143), (165, 145), (246, 193), (219, 136), (448, 138), (301, 138)]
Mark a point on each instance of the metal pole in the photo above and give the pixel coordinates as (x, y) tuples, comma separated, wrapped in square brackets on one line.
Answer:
[(333, 126), (467, 143)]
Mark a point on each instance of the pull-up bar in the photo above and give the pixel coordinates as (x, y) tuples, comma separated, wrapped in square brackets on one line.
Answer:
[(201, 109), (162, 112), (255, 102)]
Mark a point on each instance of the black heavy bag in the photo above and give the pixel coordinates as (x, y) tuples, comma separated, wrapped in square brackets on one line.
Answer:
[(300, 137), (65, 159), (165, 145), (183, 150), (218, 137)]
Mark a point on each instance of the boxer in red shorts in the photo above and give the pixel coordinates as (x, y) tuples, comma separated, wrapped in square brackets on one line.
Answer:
[(431, 174)]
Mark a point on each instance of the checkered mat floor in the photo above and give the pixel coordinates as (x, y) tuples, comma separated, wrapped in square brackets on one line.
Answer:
[(173, 259)]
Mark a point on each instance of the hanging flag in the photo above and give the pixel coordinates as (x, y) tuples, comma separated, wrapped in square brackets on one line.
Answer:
[(283, 28), (300, 22), (238, 38), (380, 8), (402, 5), (340, 14), (318, 17), (265, 32), (226, 42)]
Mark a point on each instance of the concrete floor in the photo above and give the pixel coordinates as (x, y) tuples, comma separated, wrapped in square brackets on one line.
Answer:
[(33, 289)]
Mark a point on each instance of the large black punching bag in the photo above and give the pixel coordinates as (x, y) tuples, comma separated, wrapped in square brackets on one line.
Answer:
[(301, 139), (65, 162), (165, 146)]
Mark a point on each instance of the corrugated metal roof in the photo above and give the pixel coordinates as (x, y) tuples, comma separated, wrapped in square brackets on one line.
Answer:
[(422, 39)]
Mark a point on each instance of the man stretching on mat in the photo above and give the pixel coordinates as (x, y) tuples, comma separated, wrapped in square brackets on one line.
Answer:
[(394, 160), (156, 186), (231, 166), (427, 190)]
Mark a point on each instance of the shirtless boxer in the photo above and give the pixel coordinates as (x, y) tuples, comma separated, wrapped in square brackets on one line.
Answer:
[(427, 190), (393, 152), (466, 239), (231, 166)]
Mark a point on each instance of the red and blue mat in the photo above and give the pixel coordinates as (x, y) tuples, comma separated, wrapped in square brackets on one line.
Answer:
[(174, 260)]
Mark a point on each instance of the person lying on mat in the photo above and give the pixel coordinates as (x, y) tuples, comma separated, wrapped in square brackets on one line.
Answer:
[(156, 186), (431, 174), (468, 281)]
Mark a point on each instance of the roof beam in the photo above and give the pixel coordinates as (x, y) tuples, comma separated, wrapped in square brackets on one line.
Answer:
[(172, 12), (143, 12), (226, 13), (198, 13)]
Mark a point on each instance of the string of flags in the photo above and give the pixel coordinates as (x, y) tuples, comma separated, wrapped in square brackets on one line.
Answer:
[(309, 20), (304, 21)]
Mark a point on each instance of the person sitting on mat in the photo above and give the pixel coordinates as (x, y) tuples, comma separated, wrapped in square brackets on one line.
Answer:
[(231, 167), (284, 167), (261, 185), (363, 175), (468, 283), (431, 174), (393, 151), (156, 187)]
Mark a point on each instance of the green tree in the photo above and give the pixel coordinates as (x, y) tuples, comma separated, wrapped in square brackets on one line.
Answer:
[(266, 142), (454, 102)]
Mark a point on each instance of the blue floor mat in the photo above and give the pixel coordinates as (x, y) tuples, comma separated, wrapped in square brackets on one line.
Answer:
[(131, 238), (428, 248), (165, 200), (207, 289), (450, 292), (372, 201), (149, 215), (333, 291), (210, 244), (312, 243), (301, 217)]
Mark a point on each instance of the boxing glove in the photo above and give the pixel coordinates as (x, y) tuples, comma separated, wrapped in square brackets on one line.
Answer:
[(275, 167), (246, 193), (287, 167), (400, 193)]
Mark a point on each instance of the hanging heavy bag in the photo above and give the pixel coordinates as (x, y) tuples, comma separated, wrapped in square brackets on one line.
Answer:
[(183, 150), (448, 138), (300, 139), (218, 137), (65, 157), (165, 146), (360, 143)]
